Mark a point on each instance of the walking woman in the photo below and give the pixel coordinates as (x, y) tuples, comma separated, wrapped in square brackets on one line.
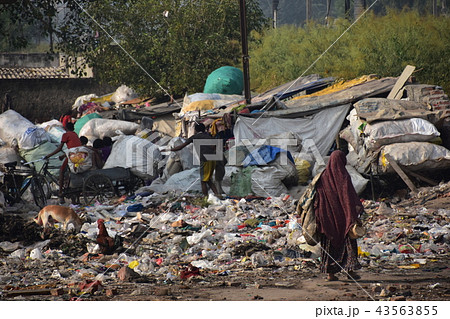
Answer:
[(337, 207)]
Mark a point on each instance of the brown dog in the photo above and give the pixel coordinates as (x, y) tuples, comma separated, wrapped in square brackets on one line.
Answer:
[(61, 214)]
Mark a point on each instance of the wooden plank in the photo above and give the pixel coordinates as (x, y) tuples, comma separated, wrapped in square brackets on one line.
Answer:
[(407, 72), (402, 174), (422, 178), (27, 292)]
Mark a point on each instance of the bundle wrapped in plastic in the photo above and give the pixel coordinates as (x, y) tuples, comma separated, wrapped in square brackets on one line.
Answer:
[(401, 131), (99, 128), (13, 126), (415, 156), (80, 159), (32, 137), (138, 154)]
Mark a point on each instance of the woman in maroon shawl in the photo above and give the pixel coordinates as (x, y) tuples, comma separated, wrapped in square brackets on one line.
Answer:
[(337, 207)]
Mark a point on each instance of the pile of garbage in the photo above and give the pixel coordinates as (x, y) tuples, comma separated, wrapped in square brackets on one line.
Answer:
[(171, 238)]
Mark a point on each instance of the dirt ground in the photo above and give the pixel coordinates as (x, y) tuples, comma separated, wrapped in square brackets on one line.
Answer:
[(270, 285)]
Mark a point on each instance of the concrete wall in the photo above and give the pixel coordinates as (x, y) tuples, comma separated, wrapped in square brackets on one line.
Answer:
[(43, 100)]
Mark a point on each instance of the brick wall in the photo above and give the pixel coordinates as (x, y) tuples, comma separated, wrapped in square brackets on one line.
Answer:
[(433, 95), (44, 99), (437, 100)]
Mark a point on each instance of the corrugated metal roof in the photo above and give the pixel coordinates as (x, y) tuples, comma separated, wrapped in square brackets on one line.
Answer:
[(33, 73)]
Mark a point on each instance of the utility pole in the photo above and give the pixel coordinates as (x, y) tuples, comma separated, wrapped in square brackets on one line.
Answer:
[(275, 12), (245, 57)]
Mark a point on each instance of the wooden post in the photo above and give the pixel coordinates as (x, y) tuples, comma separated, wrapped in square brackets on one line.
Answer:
[(245, 57), (358, 8), (399, 171), (327, 16), (395, 92), (422, 178)]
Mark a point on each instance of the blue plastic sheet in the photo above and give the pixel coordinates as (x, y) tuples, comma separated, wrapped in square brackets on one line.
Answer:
[(264, 155)]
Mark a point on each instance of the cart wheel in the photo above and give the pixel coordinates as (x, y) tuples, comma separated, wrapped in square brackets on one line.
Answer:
[(38, 192), (134, 183), (97, 187)]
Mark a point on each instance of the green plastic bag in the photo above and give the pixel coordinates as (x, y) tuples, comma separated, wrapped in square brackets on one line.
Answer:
[(225, 80), (83, 120), (241, 182)]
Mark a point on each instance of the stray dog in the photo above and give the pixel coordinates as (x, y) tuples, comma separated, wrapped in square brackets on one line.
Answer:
[(61, 214)]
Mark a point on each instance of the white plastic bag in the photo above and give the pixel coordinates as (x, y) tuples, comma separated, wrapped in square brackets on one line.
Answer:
[(80, 159), (8, 155), (13, 126), (32, 137), (99, 128), (187, 180), (267, 181), (185, 155), (138, 154), (82, 100), (416, 156), (358, 181), (123, 93), (55, 132), (401, 131)]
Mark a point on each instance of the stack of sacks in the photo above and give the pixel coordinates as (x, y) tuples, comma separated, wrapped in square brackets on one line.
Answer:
[(408, 136), (33, 142)]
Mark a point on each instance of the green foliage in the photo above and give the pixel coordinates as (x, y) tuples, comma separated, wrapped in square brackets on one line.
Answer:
[(135, 42), (159, 47), (374, 45)]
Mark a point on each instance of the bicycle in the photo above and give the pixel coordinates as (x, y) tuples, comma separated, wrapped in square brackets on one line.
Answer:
[(17, 180), (48, 178)]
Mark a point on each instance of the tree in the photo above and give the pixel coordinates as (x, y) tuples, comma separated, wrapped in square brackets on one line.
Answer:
[(152, 46), (376, 45), (27, 20)]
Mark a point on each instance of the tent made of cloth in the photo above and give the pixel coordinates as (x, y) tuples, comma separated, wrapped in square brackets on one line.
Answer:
[(321, 127)]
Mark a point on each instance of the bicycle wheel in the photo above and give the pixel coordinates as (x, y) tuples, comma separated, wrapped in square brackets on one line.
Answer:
[(38, 192), (45, 186)]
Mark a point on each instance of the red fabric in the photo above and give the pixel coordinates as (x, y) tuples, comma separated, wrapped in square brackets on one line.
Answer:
[(65, 119), (71, 139), (337, 205)]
